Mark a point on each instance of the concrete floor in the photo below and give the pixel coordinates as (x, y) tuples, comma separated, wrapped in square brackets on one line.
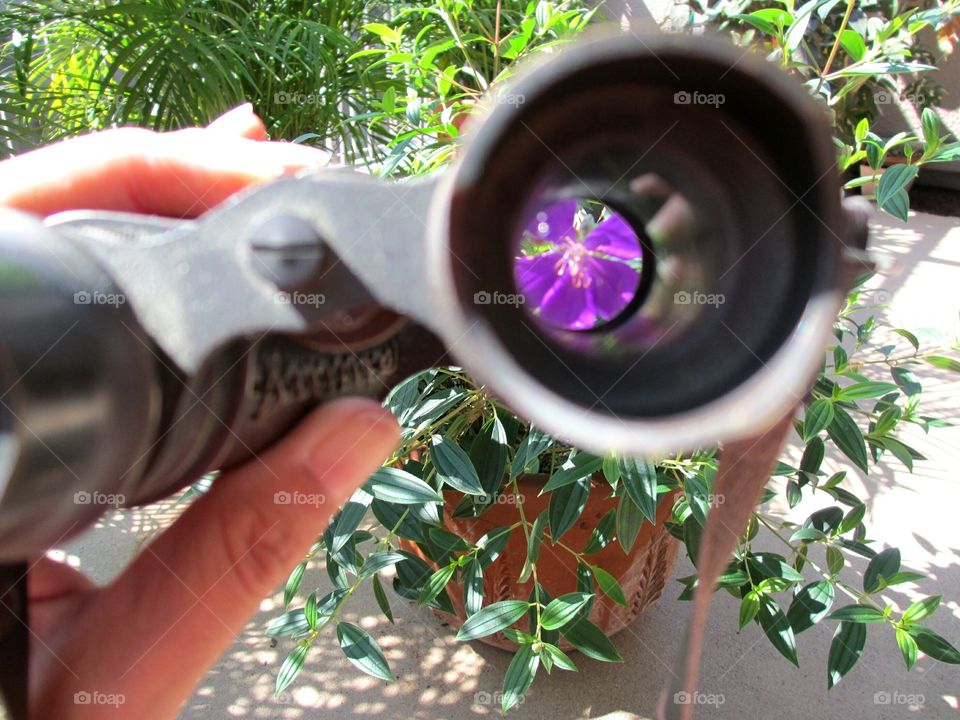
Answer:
[(441, 678)]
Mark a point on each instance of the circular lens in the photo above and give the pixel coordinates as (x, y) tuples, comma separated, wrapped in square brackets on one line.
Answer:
[(577, 265)]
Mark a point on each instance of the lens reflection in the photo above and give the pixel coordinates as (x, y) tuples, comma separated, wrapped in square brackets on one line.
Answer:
[(578, 265)]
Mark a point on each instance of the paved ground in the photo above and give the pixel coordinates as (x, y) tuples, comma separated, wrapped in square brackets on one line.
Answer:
[(440, 678)]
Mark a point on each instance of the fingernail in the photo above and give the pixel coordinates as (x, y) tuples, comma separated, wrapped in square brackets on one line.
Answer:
[(241, 110)]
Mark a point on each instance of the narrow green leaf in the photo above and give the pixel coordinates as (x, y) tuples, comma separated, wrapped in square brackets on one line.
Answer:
[(293, 583), (857, 614), (882, 566), (489, 454), (749, 606), (602, 534), (378, 561), (472, 587), (437, 582), (932, 644), (611, 469), (845, 650), (863, 390), (818, 416), (492, 618), (566, 504), (591, 641), (291, 668), (944, 363), (921, 609), (847, 436), (629, 521), (908, 648), (310, 611), (454, 467), (609, 585), (381, 598), (777, 629), (492, 544), (362, 650), (292, 622), (519, 677), (640, 481), (810, 605), (563, 609), (560, 658), (582, 465), (397, 486)]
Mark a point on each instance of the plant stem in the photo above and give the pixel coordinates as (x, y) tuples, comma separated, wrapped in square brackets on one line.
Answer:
[(836, 44)]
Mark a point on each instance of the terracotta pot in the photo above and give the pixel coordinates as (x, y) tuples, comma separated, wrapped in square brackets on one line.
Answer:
[(643, 572)]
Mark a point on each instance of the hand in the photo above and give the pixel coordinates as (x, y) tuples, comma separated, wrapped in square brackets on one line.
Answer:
[(148, 637)]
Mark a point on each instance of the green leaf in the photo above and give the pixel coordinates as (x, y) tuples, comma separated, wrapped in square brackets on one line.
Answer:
[(472, 587), (882, 566), (602, 534), (566, 504), (489, 454), (862, 390), (381, 598), (853, 43), (921, 609), (845, 650), (292, 622), (749, 607), (818, 416), (944, 363), (349, 519), (536, 537), (834, 560), (611, 469), (397, 486), (437, 582), (492, 618), (310, 611), (629, 521), (378, 561), (591, 641), (846, 434), (810, 605), (293, 583), (812, 456), (454, 467), (582, 465), (492, 544), (609, 585), (900, 451), (930, 123), (858, 614), (777, 629), (908, 648), (640, 481), (935, 646), (362, 650), (560, 658), (907, 381), (291, 668), (519, 677), (562, 610), (531, 447)]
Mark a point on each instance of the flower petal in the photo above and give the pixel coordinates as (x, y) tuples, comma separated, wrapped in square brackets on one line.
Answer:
[(553, 222), (614, 237)]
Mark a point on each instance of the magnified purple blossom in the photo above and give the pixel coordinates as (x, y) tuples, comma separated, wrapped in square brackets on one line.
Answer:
[(574, 272)]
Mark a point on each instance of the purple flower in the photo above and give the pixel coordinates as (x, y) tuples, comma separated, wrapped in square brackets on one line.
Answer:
[(575, 274)]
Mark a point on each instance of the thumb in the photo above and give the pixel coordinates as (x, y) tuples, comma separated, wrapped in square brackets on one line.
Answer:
[(185, 598)]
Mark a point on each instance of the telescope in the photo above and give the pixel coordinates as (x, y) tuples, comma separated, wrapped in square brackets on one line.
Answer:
[(138, 353)]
